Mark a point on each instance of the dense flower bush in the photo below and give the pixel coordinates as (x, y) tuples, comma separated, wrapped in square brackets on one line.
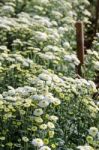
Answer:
[(25, 118), (29, 112), (44, 104)]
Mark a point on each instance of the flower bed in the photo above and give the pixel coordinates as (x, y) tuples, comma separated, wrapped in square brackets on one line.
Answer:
[(44, 105)]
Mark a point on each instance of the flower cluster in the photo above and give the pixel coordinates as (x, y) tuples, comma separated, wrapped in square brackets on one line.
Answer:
[(26, 112), (91, 64), (92, 139)]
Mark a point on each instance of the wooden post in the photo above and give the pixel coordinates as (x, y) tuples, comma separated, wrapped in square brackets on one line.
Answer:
[(97, 79), (97, 30), (97, 17), (80, 45)]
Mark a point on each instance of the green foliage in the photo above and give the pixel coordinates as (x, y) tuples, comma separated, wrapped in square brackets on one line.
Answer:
[(43, 105)]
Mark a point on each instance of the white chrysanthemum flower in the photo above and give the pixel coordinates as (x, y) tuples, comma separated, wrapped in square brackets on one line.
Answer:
[(25, 91), (5, 94), (1, 58), (47, 56), (5, 55), (41, 36), (51, 37), (43, 126), (75, 59), (1, 97), (96, 65), (25, 139), (56, 102), (52, 48), (39, 82), (89, 51), (66, 45), (19, 58), (50, 125), (43, 103), (1, 103), (25, 64), (22, 14), (3, 48), (71, 13), (9, 98), (17, 41), (37, 17), (82, 82), (7, 27), (53, 118), (11, 92), (38, 119), (49, 98), (68, 58), (56, 35), (95, 53), (61, 30), (57, 14), (37, 97), (37, 142), (56, 78), (86, 147), (72, 59), (45, 148), (10, 59), (24, 20), (97, 34), (54, 23), (92, 84), (87, 13), (29, 61), (45, 77), (51, 134), (43, 2), (49, 83), (97, 104), (93, 131), (44, 21), (8, 9), (38, 112)]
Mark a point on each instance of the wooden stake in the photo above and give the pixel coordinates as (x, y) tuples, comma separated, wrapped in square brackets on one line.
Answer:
[(97, 30), (97, 17), (80, 45)]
